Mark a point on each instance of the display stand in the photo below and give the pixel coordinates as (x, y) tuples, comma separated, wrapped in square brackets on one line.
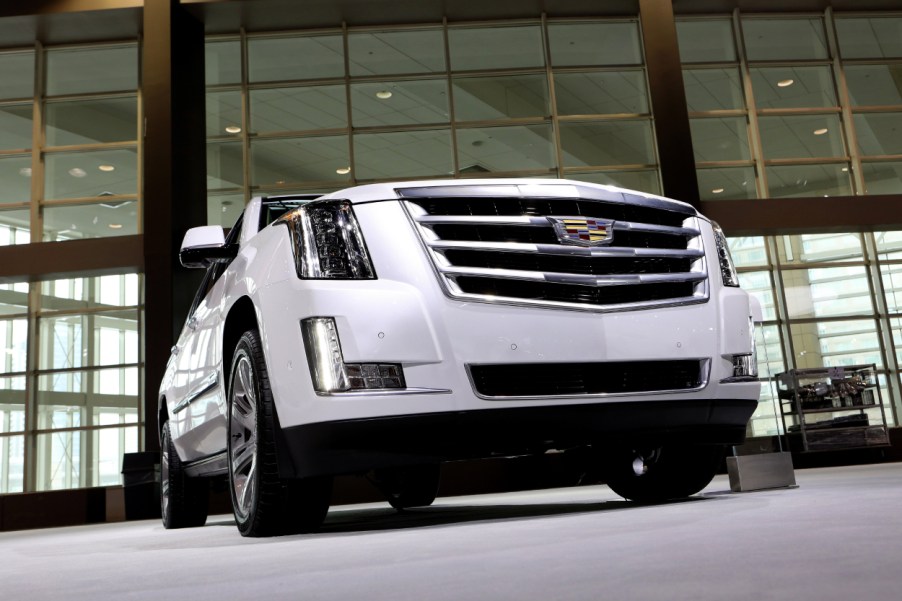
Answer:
[(833, 408)]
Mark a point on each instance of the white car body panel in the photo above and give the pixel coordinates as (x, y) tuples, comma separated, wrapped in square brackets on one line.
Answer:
[(404, 316)]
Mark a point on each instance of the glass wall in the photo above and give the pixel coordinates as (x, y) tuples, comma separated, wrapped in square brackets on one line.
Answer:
[(532, 98), (70, 362), (69, 144), (794, 106), (829, 300)]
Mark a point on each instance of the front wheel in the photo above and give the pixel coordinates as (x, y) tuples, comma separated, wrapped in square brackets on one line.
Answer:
[(650, 475), (264, 504)]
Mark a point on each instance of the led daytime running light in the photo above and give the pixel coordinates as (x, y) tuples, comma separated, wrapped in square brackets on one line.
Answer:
[(727, 269)]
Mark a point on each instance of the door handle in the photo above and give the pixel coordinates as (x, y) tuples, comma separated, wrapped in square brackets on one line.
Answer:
[(174, 350), (192, 323)]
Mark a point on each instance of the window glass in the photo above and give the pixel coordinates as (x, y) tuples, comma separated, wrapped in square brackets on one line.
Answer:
[(879, 133), (801, 136), (784, 39), (298, 109), (644, 180), (222, 62), (726, 183), (396, 52), (300, 160), (91, 121), (15, 126), (889, 244), (748, 251), (758, 284), (827, 292), (793, 87), (878, 37), (601, 93), (12, 458), (223, 113), (713, 89), (97, 220), (15, 179), (90, 174), (106, 338), (787, 181), (720, 139), (13, 341), (892, 281), (399, 102), (834, 343), (224, 209), (90, 293), (225, 168), (16, 74), (403, 154), (607, 143), (12, 405), (495, 47), (874, 85), (59, 455), (882, 178), (707, 41), (277, 59), (497, 149), (818, 248), (770, 352), (505, 97), (15, 227), (576, 44), (92, 69)]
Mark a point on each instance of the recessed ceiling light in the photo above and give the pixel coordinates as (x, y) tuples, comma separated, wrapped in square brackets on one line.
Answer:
[(383, 94), (820, 132), (77, 172), (343, 170), (233, 129), (716, 190), (107, 168), (785, 83), (25, 171), (115, 226)]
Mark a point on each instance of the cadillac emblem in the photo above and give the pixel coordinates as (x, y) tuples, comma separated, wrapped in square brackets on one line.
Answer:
[(583, 231)]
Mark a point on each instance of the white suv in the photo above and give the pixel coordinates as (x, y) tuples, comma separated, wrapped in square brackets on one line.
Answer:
[(387, 328)]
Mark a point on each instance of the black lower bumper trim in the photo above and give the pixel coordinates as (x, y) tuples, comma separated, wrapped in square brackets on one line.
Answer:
[(350, 446)]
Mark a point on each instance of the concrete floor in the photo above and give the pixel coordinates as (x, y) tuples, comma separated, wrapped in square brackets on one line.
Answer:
[(837, 536)]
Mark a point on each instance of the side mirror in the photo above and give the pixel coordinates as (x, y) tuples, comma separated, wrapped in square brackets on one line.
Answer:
[(203, 246)]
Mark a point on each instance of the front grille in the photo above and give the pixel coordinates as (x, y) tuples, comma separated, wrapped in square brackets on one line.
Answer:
[(575, 379), (496, 243)]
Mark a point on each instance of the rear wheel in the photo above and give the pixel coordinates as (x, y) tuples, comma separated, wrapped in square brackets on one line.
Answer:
[(662, 473), (411, 486), (263, 503), (183, 500)]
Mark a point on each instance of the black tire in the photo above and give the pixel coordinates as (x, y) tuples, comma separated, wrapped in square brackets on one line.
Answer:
[(411, 486), (264, 504), (183, 500), (663, 473)]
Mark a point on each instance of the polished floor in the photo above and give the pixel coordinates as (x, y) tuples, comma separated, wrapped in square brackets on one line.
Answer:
[(837, 536)]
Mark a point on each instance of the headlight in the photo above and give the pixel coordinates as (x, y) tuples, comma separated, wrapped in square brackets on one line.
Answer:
[(727, 269), (327, 242)]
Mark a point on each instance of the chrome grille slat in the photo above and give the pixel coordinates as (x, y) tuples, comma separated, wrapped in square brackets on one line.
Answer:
[(506, 249), (572, 278), (555, 249)]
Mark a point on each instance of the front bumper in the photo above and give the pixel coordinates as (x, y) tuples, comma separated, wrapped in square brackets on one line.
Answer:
[(358, 445)]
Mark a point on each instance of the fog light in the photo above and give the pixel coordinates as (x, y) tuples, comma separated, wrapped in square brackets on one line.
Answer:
[(363, 376), (745, 366), (329, 371)]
